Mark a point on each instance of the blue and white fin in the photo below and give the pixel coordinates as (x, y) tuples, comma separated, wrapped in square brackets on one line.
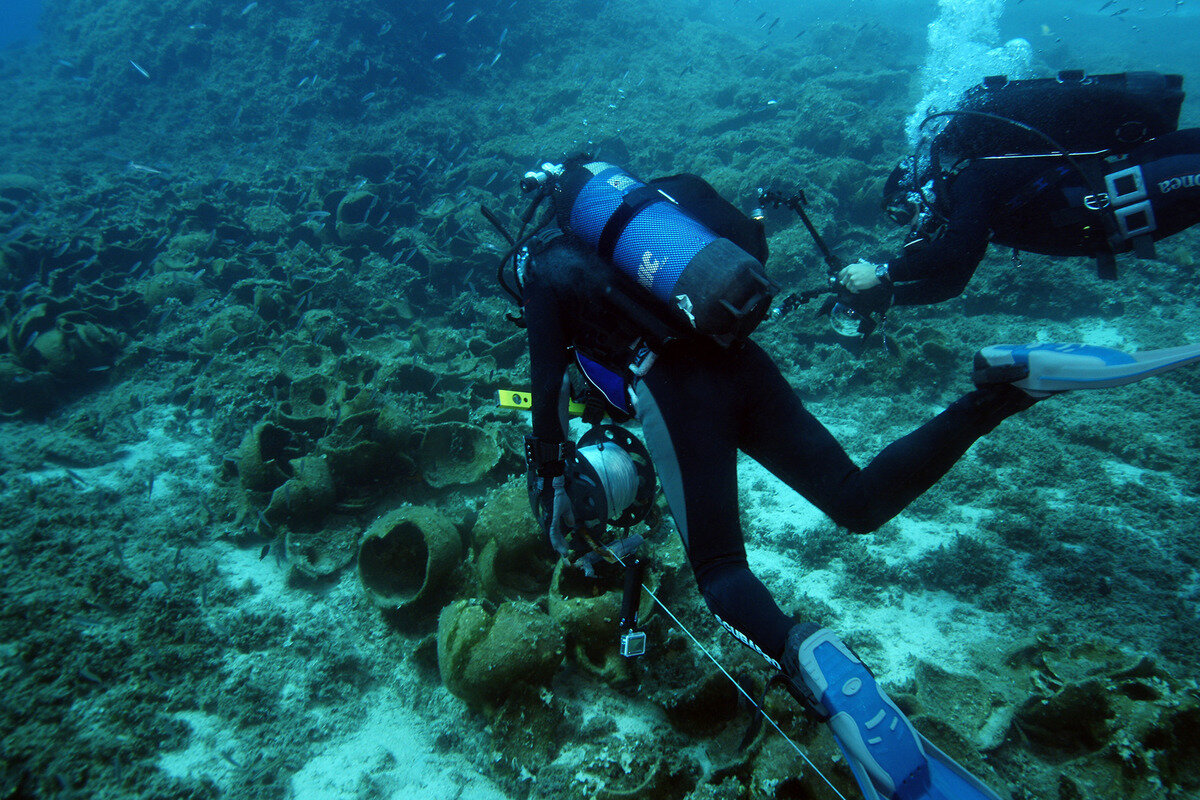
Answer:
[(1043, 369), (889, 759)]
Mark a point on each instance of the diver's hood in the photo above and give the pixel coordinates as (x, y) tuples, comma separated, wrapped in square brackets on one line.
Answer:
[(901, 201)]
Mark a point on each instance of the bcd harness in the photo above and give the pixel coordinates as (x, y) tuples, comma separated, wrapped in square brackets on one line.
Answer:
[(1121, 208)]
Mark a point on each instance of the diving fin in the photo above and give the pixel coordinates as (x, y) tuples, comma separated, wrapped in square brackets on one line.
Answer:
[(1043, 369), (889, 759)]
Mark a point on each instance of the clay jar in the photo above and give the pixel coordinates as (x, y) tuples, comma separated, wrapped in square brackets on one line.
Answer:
[(456, 453), (483, 655), (407, 557)]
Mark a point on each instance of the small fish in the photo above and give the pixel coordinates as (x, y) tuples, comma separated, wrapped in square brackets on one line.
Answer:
[(312, 46), (15, 233), (771, 27), (497, 58), (503, 36), (249, 7), (1109, 3), (143, 168), (471, 18), (439, 56), (265, 551), (64, 247), (138, 67), (367, 97), (197, 26), (387, 26), (86, 217)]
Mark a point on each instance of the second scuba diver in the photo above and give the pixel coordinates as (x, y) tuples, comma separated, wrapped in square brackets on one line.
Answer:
[(1071, 166), (653, 290)]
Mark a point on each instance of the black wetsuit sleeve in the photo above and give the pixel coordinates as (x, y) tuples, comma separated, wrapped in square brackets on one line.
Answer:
[(548, 357), (942, 269)]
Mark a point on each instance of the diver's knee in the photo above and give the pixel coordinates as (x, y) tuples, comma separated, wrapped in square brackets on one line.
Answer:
[(859, 519)]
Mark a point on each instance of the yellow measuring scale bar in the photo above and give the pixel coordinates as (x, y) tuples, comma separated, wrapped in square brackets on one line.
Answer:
[(523, 401)]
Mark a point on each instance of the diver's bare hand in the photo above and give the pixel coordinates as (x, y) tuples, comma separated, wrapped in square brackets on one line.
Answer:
[(859, 276)]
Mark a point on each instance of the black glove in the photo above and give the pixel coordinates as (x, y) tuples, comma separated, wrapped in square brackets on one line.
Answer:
[(554, 512)]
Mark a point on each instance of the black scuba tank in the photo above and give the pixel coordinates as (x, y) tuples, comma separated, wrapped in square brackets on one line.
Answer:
[(705, 283), (1082, 113)]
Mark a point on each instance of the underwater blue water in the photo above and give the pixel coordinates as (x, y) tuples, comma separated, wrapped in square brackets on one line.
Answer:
[(1147, 35), (18, 20)]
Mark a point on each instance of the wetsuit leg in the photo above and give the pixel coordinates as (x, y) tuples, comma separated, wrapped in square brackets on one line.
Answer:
[(700, 404), (688, 416), (779, 433)]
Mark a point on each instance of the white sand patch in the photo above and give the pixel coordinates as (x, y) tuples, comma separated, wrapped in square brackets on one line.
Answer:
[(264, 580), (928, 626), (202, 757), (392, 754), (145, 463), (914, 537), (1103, 333)]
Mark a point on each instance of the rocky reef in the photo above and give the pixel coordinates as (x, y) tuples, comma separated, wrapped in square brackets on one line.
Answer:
[(264, 532)]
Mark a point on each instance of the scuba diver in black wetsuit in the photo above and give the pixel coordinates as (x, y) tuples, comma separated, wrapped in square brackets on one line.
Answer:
[(653, 290), (1074, 166)]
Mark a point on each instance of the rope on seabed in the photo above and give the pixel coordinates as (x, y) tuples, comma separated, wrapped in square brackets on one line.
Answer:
[(725, 672)]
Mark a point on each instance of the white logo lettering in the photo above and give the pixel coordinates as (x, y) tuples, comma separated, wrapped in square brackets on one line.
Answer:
[(649, 269), (1182, 182), (621, 182)]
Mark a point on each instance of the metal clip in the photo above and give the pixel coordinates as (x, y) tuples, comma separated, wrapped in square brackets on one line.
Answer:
[(1096, 202)]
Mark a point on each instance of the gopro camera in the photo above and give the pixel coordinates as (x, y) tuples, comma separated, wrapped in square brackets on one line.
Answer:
[(633, 644)]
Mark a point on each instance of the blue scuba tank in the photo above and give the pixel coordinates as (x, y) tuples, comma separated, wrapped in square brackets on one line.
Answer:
[(704, 283)]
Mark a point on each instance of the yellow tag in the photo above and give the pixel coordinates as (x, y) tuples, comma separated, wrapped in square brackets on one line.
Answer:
[(523, 401), (508, 398)]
